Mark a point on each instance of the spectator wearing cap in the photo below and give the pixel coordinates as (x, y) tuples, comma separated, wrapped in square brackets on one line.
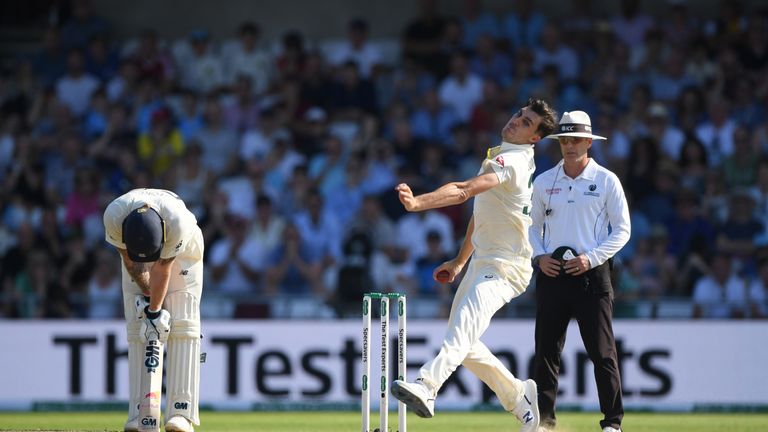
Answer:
[(572, 207), (669, 137), (312, 131)]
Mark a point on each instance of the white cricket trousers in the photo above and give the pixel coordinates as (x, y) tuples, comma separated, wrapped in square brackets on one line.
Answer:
[(487, 286), (182, 362)]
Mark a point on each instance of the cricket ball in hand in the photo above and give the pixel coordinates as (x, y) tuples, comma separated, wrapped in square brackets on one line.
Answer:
[(443, 276)]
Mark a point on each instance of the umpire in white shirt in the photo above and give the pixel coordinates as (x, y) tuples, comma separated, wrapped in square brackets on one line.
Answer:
[(580, 220)]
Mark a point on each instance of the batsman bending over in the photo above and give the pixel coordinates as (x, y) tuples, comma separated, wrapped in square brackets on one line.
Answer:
[(500, 268), (162, 279)]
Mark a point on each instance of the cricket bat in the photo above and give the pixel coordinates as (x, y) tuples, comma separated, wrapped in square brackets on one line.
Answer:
[(151, 386)]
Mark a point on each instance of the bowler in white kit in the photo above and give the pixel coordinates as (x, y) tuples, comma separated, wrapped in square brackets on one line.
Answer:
[(162, 278), (500, 269)]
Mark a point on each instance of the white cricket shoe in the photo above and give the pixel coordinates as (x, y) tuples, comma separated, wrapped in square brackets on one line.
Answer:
[(527, 410), (178, 424), (131, 425), (610, 429), (417, 396)]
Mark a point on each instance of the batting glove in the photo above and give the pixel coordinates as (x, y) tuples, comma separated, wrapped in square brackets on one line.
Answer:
[(155, 325), (140, 302)]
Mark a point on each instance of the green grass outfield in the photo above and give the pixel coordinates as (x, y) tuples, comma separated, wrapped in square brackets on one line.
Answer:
[(348, 421)]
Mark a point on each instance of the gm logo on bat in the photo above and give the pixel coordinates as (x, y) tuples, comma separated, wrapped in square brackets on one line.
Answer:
[(152, 356)]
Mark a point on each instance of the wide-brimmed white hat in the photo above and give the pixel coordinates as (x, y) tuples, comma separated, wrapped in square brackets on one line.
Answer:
[(575, 124)]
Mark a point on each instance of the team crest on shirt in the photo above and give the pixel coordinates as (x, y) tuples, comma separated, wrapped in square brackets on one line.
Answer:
[(592, 192), (500, 160)]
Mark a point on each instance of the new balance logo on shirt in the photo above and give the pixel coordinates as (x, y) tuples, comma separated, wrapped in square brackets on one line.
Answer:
[(528, 416)]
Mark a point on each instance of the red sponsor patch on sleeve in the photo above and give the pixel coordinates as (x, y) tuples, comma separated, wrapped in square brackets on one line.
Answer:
[(500, 160)]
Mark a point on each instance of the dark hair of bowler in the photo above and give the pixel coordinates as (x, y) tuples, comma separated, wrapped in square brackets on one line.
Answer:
[(547, 113)]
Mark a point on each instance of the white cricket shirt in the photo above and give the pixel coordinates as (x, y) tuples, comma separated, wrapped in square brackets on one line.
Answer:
[(180, 223), (577, 212), (502, 213)]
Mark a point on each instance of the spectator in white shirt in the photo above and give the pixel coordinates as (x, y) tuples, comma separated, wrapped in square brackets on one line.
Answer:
[(412, 230), (631, 25), (75, 88), (104, 290), (236, 260), (246, 57), (203, 71), (357, 48), (461, 90), (554, 52), (267, 228), (721, 293)]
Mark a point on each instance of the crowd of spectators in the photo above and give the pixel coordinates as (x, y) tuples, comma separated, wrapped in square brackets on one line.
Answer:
[(288, 151)]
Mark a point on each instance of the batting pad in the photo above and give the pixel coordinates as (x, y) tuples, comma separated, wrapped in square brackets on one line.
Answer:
[(183, 356), (135, 358)]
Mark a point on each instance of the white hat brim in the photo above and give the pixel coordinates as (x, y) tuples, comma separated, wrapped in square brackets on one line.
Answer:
[(576, 134)]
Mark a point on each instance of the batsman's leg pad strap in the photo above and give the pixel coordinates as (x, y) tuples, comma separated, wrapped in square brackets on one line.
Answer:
[(183, 356)]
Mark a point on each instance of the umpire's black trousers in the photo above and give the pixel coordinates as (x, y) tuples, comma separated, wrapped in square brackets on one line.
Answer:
[(589, 299)]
